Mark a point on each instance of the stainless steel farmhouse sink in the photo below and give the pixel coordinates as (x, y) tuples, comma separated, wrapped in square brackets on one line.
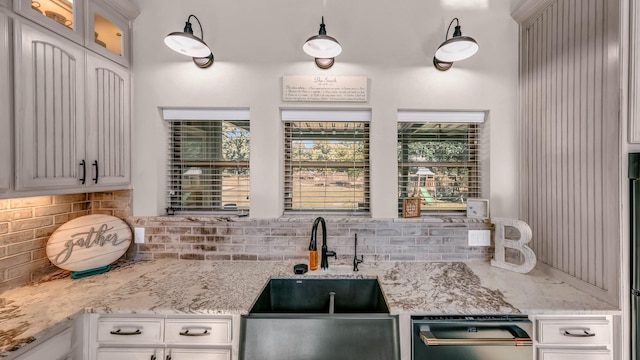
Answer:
[(315, 319)]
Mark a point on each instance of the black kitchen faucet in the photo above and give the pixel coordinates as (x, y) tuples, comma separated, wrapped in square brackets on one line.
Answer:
[(324, 262)]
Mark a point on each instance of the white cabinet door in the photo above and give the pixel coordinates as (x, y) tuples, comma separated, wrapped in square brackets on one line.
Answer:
[(198, 354), (130, 354), (64, 17), (5, 105), (108, 34), (50, 132), (573, 354), (58, 347), (108, 123)]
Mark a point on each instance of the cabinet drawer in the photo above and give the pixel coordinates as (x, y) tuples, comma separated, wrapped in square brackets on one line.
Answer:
[(198, 331), (573, 354), (130, 330), (588, 331)]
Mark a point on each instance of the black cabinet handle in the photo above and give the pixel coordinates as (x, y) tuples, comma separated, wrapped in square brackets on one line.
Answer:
[(95, 164), (187, 333), (120, 332), (577, 332), (84, 172)]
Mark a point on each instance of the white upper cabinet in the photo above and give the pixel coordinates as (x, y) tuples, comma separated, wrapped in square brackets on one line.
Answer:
[(108, 34), (72, 116), (64, 17), (5, 105), (50, 131), (102, 26), (108, 122)]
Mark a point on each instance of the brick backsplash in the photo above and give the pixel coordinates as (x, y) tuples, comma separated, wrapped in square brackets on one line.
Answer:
[(235, 238), (27, 223)]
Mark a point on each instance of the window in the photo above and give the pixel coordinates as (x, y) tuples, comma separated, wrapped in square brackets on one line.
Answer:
[(208, 168), (326, 161), (439, 159)]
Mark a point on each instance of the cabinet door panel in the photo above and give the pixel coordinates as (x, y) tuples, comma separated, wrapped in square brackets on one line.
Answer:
[(49, 110), (199, 354), (61, 16), (57, 347), (108, 122), (130, 354), (5, 108), (573, 354)]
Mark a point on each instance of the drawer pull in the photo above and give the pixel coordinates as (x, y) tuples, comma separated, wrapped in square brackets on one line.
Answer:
[(187, 333), (577, 332), (120, 332)]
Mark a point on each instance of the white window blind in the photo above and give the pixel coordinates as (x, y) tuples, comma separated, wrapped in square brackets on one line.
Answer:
[(326, 161), (439, 159), (208, 169)]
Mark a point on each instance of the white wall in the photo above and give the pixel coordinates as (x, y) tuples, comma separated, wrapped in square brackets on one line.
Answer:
[(256, 42)]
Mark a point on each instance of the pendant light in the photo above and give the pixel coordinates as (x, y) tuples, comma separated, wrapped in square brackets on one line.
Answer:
[(456, 48), (188, 44), (323, 48)]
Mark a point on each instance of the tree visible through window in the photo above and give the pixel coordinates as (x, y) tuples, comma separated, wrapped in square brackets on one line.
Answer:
[(327, 166), (439, 163), (208, 165)]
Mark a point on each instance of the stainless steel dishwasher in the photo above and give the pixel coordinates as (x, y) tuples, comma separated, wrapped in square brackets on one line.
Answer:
[(483, 337)]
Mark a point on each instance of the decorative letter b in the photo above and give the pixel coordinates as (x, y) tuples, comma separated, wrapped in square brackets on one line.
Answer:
[(501, 242)]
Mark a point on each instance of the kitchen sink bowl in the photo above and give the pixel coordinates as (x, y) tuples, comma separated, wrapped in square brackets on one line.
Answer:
[(350, 296), (318, 319)]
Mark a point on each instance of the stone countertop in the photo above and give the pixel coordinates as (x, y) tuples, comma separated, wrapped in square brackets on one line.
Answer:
[(225, 287)]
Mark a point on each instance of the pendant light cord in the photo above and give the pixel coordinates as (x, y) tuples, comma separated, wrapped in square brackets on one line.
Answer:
[(202, 33), (449, 28)]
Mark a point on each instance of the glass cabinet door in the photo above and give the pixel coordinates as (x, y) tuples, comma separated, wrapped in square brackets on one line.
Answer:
[(61, 16), (108, 34)]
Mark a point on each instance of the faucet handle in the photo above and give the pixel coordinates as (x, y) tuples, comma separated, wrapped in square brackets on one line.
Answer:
[(357, 261)]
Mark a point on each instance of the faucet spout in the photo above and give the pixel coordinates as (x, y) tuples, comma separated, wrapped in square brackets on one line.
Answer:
[(324, 262), (356, 261)]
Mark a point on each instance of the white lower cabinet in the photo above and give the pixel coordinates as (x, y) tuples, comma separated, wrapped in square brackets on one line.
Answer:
[(129, 354), (198, 354), (573, 354), (575, 337), (55, 347), (170, 337)]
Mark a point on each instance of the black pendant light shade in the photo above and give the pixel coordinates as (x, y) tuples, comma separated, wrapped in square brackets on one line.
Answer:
[(188, 44)]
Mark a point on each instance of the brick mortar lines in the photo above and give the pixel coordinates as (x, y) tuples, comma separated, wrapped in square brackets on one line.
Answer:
[(268, 240)]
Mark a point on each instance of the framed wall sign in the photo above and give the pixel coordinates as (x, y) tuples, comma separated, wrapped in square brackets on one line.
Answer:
[(410, 207), (478, 208)]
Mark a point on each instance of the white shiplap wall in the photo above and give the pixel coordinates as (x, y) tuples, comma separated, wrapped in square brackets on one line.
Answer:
[(571, 145)]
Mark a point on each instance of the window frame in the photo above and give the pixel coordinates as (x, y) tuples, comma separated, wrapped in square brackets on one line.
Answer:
[(332, 116), (477, 141), (178, 119)]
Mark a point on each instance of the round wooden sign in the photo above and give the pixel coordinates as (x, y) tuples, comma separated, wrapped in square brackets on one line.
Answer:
[(88, 242)]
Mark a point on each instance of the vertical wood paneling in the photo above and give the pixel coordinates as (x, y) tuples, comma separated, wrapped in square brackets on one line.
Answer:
[(570, 140), (111, 122), (5, 105), (54, 90)]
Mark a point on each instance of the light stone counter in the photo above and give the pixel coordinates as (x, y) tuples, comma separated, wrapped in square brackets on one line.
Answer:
[(203, 287)]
